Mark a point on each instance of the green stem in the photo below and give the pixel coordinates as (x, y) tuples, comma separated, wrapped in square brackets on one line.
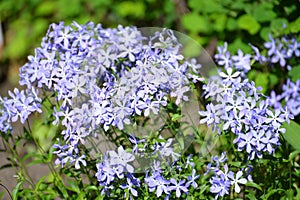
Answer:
[(20, 163), (6, 190), (49, 164)]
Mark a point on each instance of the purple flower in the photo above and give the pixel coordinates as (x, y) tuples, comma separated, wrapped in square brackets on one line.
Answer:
[(105, 174), (220, 186), (229, 77), (159, 183), (122, 158), (245, 141), (241, 61), (178, 187), (192, 179), (271, 46), (136, 143), (130, 187), (223, 57), (212, 114), (275, 118), (64, 36), (258, 56), (237, 180)]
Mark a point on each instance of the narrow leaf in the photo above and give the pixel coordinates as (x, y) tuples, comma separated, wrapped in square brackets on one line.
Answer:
[(292, 134)]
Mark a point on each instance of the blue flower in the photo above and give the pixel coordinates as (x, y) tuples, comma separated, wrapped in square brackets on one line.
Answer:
[(229, 77), (220, 186), (241, 61), (212, 115), (192, 179), (223, 57), (157, 183), (136, 143), (178, 187), (122, 158), (237, 180), (130, 187)]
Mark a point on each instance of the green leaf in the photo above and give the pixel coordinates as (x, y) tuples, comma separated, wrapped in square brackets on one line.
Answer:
[(278, 24), (264, 13), (40, 26), (247, 22), (206, 6), (129, 8), (271, 192), (290, 194), (91, 187), (17, 47), (195, 23), (2, 194), (294, 27), (176, 117), (236, 164), (254, 185), (239, 44), (219, 22), (194, 5), (46, 8), (40, 181), (292, 134), (290, 9), (262, 80), (239, 5), (231, 24), (16, 190), (251, 195), (264, 33), (65, 10), (273, 79), (293, 155), (294, 73)]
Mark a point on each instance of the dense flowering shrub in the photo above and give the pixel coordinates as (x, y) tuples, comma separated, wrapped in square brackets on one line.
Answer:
[(104, 83)]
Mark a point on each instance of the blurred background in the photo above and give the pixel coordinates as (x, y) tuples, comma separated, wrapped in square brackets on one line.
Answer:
[(23, 23)]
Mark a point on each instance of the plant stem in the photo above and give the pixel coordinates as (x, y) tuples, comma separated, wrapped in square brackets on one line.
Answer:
[(6, 190)]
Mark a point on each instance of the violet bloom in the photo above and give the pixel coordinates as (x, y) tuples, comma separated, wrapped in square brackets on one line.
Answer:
[(212, 114), (241, 61), (192, 179), (130, 187), (237, 180), (122, 158), (178, 187), (220, 186)]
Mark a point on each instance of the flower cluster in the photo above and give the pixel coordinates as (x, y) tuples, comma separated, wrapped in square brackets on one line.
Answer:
[(117, 170), (157, 182), (117, 165), (102, 82), (104, 77), (241, 62), (290, 97), (240, 108), (19, 105), (282, 49), (98, 80), (223, 179)]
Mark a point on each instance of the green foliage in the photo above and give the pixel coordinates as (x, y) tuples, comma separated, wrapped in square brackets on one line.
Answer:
[(292, 135), (294, 73), (250, 22), (195, 23), (30, 18)]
